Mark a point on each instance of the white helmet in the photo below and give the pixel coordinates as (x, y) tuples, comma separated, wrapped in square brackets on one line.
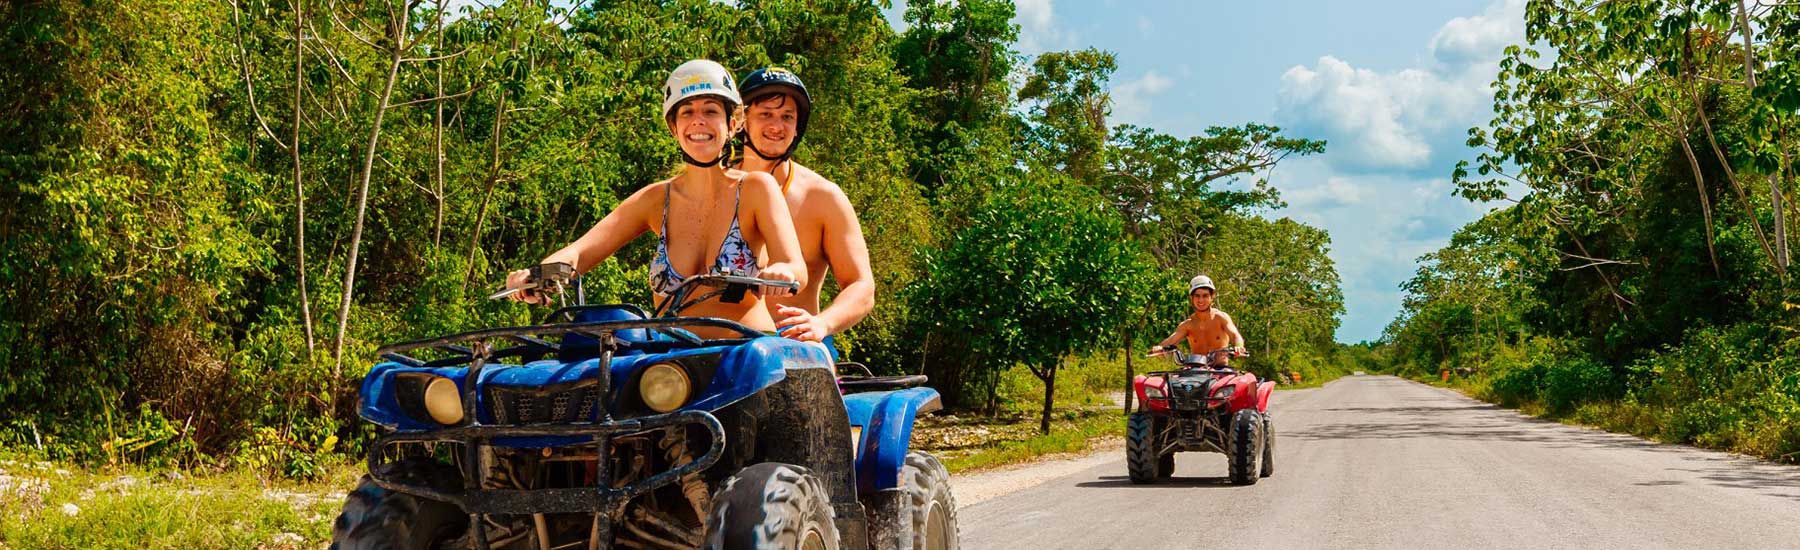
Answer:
[(697, 78), (1199, 282)]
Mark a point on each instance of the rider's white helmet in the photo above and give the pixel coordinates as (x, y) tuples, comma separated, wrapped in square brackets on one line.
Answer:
[(1199, 282), (699, 78)]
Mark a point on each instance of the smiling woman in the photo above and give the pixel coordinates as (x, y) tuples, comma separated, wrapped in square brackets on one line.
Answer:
[(726, 221)]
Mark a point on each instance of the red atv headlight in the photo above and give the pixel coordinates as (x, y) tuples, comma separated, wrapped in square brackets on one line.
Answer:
[(1153, 392), (1225, 392)]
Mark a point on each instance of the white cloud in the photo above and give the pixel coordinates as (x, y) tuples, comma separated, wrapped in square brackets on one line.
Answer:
[(1409, 119), (1379, 223), (1037, 26), (1131, 100), (1382, 188), (1336, 191), (1365, 115), (1480, 39)]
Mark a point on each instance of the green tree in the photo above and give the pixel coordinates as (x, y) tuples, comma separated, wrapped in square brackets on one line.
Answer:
[(1068, 103), (1041, 273)]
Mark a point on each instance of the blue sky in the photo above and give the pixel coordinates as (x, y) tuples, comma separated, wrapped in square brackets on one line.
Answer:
[(1393, 85)]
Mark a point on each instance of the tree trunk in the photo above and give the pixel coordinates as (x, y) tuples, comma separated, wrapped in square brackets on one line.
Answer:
[(362, 193), (1781, 241), (1049, 378), (437, 136), (300, 191), (1130, 374), (993, 397), (1731, 177), (1705, 202)]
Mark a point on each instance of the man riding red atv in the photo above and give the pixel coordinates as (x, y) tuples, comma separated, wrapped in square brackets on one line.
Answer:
[(1203, 406)]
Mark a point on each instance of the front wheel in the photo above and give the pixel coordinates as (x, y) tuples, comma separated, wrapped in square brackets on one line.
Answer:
[(921, 514), (1141, 460), (374, 518), (771, 506), (1245, 449), (1268, 454)]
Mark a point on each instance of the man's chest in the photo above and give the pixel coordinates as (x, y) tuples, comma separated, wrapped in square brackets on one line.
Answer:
[(1206, 326)]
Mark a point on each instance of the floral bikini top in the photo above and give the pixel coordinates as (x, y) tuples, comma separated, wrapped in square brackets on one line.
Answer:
[(735, 255)]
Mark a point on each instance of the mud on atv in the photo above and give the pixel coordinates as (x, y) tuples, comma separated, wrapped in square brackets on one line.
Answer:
[(1203, 407), (604, 427)]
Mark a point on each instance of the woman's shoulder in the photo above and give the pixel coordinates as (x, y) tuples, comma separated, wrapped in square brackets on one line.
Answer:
[(752, 179), (757, 184), (654, 189)]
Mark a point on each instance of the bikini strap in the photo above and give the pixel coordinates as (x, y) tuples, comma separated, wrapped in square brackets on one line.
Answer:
[(668, 189), (737, 195)]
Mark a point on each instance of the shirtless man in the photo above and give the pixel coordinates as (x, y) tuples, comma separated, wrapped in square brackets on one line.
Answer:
[(1207, 329), (776, 111)]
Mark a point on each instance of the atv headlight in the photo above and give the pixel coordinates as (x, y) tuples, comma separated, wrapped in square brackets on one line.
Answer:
[(1225, 392), (664, 387), (443, 401), (1153, 392)]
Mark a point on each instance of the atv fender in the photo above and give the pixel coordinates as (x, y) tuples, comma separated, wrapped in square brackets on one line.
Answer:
[(803, 422), (747, 369), (1140, 385), (885, 422), (1263, 391), (378, 400)]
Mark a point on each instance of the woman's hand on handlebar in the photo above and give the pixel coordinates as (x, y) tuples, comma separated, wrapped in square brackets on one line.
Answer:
[(520, 279), (779, 272)]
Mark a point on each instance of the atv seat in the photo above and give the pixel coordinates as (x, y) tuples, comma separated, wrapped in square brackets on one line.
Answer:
[(867, 381), (855, 384)]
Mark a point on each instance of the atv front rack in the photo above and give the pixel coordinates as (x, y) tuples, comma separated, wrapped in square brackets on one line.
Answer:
[(602, 500), (594, 500)]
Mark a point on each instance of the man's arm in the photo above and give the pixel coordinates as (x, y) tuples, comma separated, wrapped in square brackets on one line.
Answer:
[(1180, 334), (1237, 339), (849, 256)]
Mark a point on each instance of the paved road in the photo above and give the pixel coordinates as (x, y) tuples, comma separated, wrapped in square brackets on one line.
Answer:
[(1380, 462)]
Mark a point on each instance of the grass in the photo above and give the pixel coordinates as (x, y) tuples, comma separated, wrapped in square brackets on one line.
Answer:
[(977, 444), (43, 505)]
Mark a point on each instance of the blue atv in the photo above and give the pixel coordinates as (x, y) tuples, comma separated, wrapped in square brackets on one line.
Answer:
[(605, 427)]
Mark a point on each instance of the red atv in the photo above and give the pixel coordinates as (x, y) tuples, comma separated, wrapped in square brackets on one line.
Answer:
[(1204, 406)]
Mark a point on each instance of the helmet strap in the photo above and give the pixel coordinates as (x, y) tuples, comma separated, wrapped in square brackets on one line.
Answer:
[(765, 156), (697, 163)]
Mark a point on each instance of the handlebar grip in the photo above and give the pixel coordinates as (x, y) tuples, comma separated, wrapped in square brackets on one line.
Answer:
[(551, 275)]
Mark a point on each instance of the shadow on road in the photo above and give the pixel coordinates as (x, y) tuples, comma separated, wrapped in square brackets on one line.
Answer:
[(1115, 482)]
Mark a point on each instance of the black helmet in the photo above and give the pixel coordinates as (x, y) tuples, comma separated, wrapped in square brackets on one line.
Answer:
[(775, 80)]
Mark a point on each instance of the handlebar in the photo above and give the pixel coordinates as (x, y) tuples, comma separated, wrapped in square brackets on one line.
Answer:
[(1186, 359), (731, 290), (552, 278)]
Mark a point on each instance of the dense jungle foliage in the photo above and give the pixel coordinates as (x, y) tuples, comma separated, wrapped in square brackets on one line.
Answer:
[(212, 212), (1640, 277)]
